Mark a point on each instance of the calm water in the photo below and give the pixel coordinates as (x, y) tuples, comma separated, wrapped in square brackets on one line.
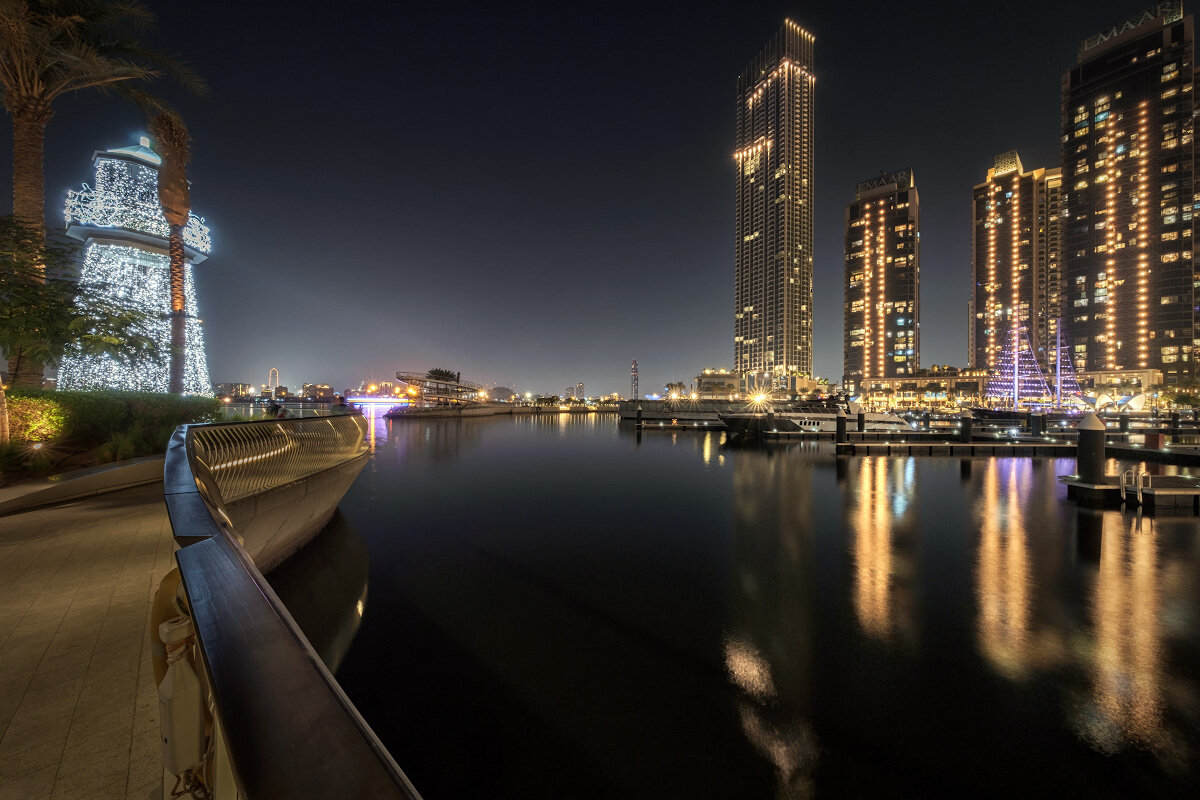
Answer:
[(559, 610)]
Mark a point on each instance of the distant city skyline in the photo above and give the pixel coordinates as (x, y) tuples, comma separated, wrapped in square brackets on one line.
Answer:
[(584, 216)]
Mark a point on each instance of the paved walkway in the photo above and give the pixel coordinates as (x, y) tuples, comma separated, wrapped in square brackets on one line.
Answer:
[(78, 705)]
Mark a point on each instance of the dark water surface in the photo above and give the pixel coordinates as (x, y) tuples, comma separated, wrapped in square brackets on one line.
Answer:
[(559, 610)]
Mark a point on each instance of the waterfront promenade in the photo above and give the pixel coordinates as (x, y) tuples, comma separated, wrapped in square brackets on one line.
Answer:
[(78, 704)]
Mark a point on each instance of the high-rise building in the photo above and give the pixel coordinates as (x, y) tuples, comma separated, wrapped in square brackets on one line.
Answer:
[(633, 381), (579, 391), (882, 337), (1128, 176), (1015, 261), (773, 295)]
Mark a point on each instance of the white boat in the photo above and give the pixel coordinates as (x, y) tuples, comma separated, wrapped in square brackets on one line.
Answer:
[(811, 417)]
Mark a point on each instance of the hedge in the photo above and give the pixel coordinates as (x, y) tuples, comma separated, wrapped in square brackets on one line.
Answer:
[(86, 420)]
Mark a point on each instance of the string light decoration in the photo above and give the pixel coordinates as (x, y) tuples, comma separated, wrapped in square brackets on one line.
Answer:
[(126, 261), (1018, 377)]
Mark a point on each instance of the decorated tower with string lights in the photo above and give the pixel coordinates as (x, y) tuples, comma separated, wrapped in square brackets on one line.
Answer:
[(1018, 380), (126, 260)]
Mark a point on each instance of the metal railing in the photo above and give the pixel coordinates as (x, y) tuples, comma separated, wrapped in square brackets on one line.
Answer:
[(283, 727), (246, 458)]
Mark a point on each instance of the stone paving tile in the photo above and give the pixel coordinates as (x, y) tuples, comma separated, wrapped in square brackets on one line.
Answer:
[(34, 785), (78, 707)]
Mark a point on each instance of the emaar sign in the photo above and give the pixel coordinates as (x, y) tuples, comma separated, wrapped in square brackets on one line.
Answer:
[(1164, 13)]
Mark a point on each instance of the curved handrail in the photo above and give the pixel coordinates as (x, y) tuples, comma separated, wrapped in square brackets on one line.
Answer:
[(290, 729)]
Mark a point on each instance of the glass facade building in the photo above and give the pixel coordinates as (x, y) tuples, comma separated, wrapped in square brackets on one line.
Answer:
[(773, 293), (881, 312), (1129, 181), (1016, 274)]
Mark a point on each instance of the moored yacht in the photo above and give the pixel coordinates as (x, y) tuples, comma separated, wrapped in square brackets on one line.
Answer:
[(815, 417)]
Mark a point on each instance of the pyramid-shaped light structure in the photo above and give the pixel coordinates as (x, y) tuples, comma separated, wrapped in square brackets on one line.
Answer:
[(126, 261)]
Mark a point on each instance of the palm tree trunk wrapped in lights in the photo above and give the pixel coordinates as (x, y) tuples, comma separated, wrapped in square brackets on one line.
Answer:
[(172, 137)]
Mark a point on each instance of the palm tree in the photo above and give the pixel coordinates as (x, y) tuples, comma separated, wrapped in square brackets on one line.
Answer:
[(49, 48), (172, 140)]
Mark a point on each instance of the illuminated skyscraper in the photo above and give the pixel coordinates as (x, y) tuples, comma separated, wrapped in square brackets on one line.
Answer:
[(126, 261), (1015, 260), (1128, 175), (773, 295), (882, 279)]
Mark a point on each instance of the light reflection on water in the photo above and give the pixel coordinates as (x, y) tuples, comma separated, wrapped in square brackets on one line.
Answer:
[(853, 626)]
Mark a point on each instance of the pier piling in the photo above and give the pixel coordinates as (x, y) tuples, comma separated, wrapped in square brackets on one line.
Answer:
[(862, 422), (1089, 455), (966, 424), (841, 427)]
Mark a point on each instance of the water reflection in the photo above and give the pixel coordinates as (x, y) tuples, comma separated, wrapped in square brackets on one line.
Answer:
[(878, 515), (324, 586), (649, 617), (768, 654), (1002, 569), (1127, 665), (434, 440)]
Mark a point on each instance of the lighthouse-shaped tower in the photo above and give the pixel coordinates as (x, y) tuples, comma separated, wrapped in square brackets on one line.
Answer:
[(126, 261)]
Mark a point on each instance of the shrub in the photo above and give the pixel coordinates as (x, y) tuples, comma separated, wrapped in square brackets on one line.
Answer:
[(88, 420)]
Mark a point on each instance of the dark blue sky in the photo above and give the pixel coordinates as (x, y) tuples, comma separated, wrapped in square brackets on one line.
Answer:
[(534, 194)]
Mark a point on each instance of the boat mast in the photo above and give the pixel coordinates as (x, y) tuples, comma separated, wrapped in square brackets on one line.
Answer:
[(1016, 364)]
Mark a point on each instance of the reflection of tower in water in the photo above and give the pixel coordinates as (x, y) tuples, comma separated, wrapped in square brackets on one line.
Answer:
[(768, 653), (1003, 584), (1127, 669), (880, 517)]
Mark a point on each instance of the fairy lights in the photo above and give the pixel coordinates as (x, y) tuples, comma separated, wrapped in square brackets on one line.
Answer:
[(1018, 375), (867, 306), (1143, 258), (991, 305), (1014, 227), (1109, 283), (126, 196), (880, 317), (130, 267)]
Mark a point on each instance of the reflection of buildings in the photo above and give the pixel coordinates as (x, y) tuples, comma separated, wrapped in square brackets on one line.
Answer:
[(1127, 668), (878, 512), (1003, 571), (768, 652), (324, 586), (434, 440)]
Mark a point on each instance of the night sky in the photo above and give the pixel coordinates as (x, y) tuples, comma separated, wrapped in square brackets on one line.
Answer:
[(536, 194)]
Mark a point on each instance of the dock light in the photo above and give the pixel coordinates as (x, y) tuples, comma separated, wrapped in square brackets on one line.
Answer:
[(759, 398), (1012, 431), (36, 446)]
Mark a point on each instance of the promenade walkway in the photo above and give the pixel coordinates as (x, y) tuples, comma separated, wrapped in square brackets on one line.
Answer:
[(78, 706)]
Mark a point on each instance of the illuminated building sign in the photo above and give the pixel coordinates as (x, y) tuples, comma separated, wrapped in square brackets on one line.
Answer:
[(902, 178), (1165, 12)]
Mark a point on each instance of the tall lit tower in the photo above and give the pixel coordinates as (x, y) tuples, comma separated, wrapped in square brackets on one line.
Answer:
[(126, 260), (882, 335), (633, 383), (1015, 262), (1128, 174), (773, 293)]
